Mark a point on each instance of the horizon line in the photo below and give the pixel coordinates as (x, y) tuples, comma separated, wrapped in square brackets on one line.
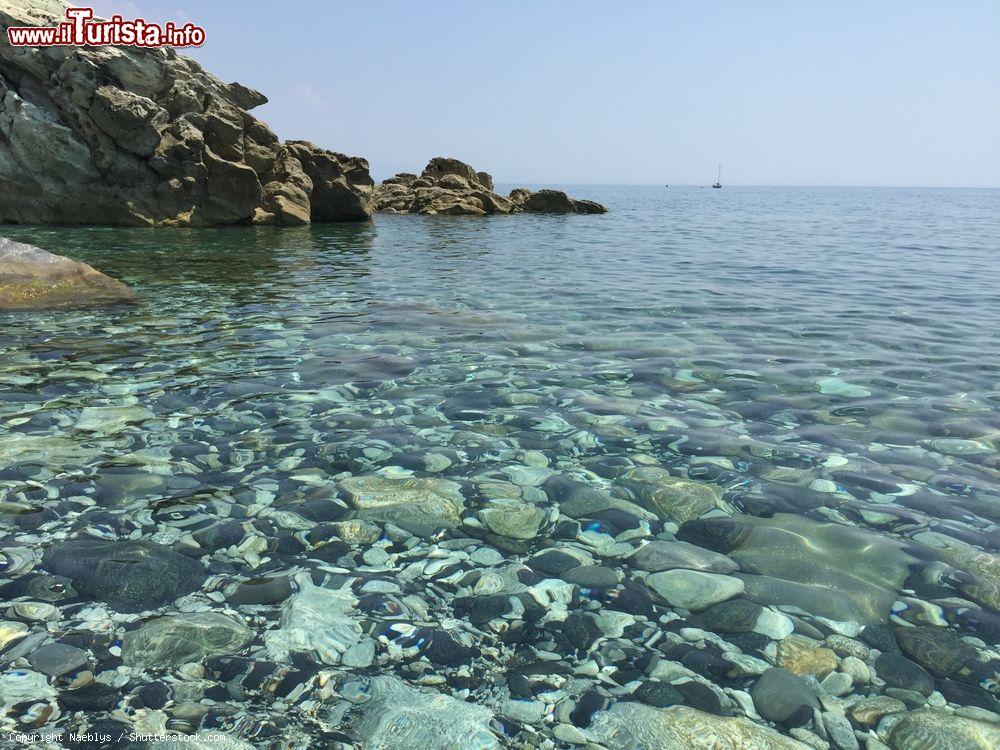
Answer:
[(745, 185)]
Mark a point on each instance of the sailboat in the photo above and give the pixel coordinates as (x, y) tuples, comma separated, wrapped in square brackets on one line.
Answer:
[(718, 180)]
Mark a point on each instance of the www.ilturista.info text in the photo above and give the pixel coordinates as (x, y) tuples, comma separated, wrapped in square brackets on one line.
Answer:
[(81, 30)]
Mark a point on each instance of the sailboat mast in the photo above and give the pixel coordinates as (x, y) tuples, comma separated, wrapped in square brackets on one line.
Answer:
[(719, 178)]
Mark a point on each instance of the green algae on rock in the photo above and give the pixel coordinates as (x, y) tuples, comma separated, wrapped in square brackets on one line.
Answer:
[(35, 279)]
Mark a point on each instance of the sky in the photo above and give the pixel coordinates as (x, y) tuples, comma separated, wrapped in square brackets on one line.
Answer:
[(784, 92)]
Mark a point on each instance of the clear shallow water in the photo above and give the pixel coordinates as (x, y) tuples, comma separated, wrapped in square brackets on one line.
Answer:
[(830, 354)]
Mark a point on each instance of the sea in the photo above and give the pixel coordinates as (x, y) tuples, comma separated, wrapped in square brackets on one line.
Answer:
[(515, 480)]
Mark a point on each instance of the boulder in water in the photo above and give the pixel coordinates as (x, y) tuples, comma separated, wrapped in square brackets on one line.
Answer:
[(34, 279), (404, 718), (130, 575)]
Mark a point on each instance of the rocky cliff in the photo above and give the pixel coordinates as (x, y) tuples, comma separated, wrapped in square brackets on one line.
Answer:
[(449, 186), (111, 135)]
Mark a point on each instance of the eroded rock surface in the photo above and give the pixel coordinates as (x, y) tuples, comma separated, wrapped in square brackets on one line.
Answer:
[(131, 136), (449, 186), (34, 279)]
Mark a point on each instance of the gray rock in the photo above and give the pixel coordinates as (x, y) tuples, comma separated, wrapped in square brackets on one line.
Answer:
[(837, 683), (34, 279), (341, 185), (22, 685), (828, 569), (840, 732), (938, 650), (440, 168), (131, 575), (261, 591), (783, 697), (900, 672), (319, 622), (557, 202), (669, 497), (912, 699), (733, 616), (661, 555), (111, 419), (57, 659), (692, 589), (360, 655), (592, 576)]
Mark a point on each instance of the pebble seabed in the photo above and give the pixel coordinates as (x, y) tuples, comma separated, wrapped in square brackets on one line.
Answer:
[(564, 539)]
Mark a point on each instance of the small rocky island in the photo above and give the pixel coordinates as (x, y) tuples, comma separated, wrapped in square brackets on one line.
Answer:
[(449, 186)]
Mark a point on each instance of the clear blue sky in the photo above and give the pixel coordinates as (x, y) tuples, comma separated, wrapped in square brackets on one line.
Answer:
[(785, 92)]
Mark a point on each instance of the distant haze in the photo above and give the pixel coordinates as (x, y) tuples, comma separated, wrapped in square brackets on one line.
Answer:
[(845, 92)]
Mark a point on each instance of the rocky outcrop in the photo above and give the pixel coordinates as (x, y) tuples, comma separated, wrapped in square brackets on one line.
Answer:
[(449, 186), (33, 279), (131, 136), (341, 184)]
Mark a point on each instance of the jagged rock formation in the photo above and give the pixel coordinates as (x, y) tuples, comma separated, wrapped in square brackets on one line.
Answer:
[(112, 135), (33, 279), (449, 186)]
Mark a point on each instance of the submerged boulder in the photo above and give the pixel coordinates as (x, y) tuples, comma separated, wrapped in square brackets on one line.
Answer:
[(406, 718), (129, 575), (170, 641), (632, 725), (449, 186), (34, 279), (419, 505), (138, 136)]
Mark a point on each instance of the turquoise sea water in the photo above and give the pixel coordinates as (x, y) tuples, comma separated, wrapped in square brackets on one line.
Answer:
[(828, 354)]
